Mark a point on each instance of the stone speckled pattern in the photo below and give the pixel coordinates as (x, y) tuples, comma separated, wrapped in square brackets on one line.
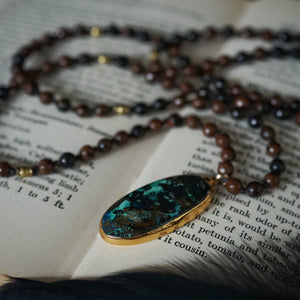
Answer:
[(154, 205)]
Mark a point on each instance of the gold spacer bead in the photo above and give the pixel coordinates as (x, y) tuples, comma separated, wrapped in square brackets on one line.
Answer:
[(154, 55), (95, 32), (103, 60), (121, 109), (24, 172)]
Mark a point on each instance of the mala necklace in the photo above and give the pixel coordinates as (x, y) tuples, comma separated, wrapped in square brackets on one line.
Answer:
[(164, 205)]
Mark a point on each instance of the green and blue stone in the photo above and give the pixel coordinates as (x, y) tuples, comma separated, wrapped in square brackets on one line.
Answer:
[(154, 205)]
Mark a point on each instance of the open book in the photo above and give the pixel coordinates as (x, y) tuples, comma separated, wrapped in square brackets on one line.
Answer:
[(49, 224)]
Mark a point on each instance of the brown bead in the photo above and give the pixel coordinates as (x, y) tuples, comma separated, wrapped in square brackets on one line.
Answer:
[(65, 61), (5, 169), (273, 149), (48, 67), (101, 110), (104, 145), (272, 180), (121, 137), (260, 53), (209, 32), (46, 166), (63, 33), (190, 71), (236, 90), (179, 101), (297, 118), (87, 153), (155, 124), (167, 83), (48, 39), (255, 189), (275, 101), (155, 67), (186, 87), (170, 72), (208, 66), (199, 103), (136, 68), (46, 97), (222, 140), (209, 129), (267, 35), (267, 133), (20, 77), (192, 122), (81, 29), (218, 107), (233, 186), (82, 110), (247, 32), (241, 102), (254, 96), (224, 61), (150, 76), (228, 154), (31, 88), (174, 50), (225, 168)]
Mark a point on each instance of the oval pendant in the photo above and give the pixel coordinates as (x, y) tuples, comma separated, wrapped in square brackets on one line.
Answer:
[(155, 209)]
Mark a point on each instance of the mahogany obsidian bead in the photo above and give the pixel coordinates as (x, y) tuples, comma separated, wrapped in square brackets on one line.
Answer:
[(48, 67), (121, 137), (227, 154), (199, 103), (46, 166), (82, 110), (155, 67), (282, 113), (272, 180), (5, 169), (121, 61), (273, 149), (267, 133), (203, 92), (254, 96), (138, 131), (209, 129), (237, 113), (46, 97), (170, 72), (179, 101), (155, 124), (140, 109), (4, 92), (223, 140), (218, 107), (224, 61), (209, 32), (260, 53), (101, 110), (175, 120), (241, 102), (183, 62), (167, 83), (67, 160), (104, 145), (136, 68), (160, 104), (31, 88), (234, 186), (190, 71), (173, 50), (192, 122), (87, 152), (63, 104), (225, 168), (255, 121), (65, 61), (186, 87), (255, 189), (208, 66), (276, 101), (277, 166), (236, 90)]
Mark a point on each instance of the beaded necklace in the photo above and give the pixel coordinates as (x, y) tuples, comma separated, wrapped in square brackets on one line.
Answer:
[(166, 204)]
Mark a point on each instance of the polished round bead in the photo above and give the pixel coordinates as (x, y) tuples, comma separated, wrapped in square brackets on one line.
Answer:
[(170, 72), (272, 180), (5, 169), (63, 104), (104, 145), (168, 83), (218, 107), (227, 31), (209, 129), (233, 186), (237, 113), (254, 96), (276, 101), (179, 101), (136, 68), (208, 66), (273, 149), (260, 53), (190, 71), (255, 189), (67, 160), (87, 153), (31, 88), (186, 87), (82, 110), (183, 62), (225, 168), (192, 122), (121, 137), (236, 90), (160, 104), (46, 97), (222, 140), (267, 133), (101, 110), (277, 166), (255, 121), (282, 113), (85, 58), (203, 92), (199, 103), (65, 61), (227, 154), (140, 109), (155, 67), (173, 50), (150, 76), (155, 125), (209, 32), (138, 131), (241, 102), (192, 35), (46, 166), (175, 120)]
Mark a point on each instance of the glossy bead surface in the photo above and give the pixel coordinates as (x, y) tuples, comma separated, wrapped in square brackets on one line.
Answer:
[(225, 168), (87, 153), (277, 166), (233, 186), (67, 160), (104, 145), (121, 137), (255, 189), (45, 166), (272, 180), (209, 129), (222, 140)]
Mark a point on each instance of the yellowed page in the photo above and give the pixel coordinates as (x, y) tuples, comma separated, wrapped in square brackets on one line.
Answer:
[(48, 223), (241, 228)]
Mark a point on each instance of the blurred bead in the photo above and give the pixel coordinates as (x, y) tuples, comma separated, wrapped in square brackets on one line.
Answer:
[(4, 169), (87, 153), (227, 154), (255, 189), (272, 180), (233, 186), (155, 124), (223, 140), (277, 166), (209, 129), (138, 131), (199, 103), (63, 105), (267, 133), (121, 137), (82, 110), (255, 121), (104, 145), (46, 166), (273, 149), (46, 97), (140, 109), (192, 122), (101, 110), (174, 120), (67, 160), (160, 104), (218, 107)]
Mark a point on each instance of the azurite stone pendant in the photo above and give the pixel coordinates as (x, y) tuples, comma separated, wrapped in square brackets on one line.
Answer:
[(155, 209)]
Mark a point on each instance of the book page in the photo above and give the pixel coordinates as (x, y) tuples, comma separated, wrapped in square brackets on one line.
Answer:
[(256, 234), (49, 222)]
